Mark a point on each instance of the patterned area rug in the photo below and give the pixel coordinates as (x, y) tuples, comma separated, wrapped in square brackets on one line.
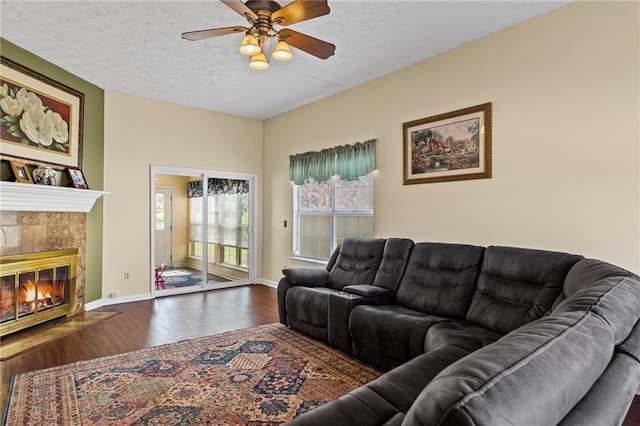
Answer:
[(182, 278), (264, 375)]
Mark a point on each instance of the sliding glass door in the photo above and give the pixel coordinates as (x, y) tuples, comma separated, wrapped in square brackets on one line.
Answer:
[(212, 230)]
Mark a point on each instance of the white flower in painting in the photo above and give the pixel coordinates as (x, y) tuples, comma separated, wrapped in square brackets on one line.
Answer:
[(60, 128), (11, 106), (37, 126), (4, 91), (28, 100)]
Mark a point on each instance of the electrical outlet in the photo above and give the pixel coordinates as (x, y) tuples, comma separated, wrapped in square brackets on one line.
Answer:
[(126, 276), (113, 295)]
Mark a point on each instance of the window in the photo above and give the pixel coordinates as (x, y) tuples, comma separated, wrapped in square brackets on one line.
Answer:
[(159, 211), (228, 228), (325, 213)]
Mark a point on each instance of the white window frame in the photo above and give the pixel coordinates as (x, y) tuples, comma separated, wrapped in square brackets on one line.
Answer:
[(333, 226)]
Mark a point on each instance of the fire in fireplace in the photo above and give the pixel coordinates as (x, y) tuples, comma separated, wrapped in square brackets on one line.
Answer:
[(36, 287)]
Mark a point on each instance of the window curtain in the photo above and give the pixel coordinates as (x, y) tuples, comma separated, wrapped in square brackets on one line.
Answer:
[(217, 186), (348, 161)]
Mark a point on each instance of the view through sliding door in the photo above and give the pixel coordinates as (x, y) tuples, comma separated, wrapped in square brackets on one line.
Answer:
[(213, 234)]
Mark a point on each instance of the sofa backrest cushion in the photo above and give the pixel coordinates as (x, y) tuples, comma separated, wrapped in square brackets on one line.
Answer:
[(394, 262), (357, 262), (517, 286), (333, 258), (533, 376), (440, 278), (606, 290)]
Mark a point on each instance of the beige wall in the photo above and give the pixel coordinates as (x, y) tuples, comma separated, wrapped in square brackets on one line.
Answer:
[(565, 96), (140, 133)]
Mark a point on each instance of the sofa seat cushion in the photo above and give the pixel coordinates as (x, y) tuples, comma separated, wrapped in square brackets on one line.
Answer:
[(461, 334), (309, 304), (389, 331), (534, 375), (386, 400)]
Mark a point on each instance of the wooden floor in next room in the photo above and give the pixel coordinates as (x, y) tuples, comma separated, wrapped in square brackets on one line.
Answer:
[(165, 320)]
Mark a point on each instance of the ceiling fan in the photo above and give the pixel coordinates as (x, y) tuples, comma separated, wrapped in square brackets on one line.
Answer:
[(263, 15)]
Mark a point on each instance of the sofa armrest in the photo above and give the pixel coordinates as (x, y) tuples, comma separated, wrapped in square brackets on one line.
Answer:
[(304, 277), (366, 290), (308, 277)]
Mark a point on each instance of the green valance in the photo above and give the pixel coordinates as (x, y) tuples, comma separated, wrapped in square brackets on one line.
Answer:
[(348, 161)]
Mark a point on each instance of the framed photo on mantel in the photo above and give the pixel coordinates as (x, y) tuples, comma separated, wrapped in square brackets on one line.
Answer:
[(76, 178), (40, 119), (452, 146), (21, 172)]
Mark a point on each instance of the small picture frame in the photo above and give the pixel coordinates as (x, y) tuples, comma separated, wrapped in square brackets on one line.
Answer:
[(21, 172), (76, 177)]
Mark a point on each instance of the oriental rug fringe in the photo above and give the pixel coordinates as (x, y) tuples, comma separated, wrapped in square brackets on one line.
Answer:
[(264, 375)]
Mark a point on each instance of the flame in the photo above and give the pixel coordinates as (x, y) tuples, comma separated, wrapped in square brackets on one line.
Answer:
[(28, 291)]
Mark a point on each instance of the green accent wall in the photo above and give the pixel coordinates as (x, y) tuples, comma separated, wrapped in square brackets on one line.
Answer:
[(92, 153)]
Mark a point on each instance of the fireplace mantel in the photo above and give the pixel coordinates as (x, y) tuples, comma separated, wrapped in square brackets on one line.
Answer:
[(43, 198)]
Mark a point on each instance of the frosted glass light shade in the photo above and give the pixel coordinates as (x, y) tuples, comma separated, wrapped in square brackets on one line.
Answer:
[(259, 62), (250, 46), (282, 52)]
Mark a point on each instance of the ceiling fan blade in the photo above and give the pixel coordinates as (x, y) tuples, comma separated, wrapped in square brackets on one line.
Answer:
[(241, 8), (215, 32), (300, 10), (311, 45)]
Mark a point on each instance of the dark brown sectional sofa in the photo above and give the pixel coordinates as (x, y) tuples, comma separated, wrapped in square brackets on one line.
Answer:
[(471, 335)]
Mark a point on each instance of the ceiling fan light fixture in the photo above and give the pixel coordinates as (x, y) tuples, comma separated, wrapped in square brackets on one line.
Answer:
[(250, 46), (259, 62), (282, 52)]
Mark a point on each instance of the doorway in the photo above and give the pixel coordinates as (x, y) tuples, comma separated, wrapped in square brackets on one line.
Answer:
[(201, 229)]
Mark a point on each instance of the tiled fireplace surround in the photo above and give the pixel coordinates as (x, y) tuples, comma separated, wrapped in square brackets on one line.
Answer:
[(31, 232)]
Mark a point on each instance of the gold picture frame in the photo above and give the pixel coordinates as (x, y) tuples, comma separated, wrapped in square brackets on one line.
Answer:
[(29, 99), (448, 147), (21, 172)]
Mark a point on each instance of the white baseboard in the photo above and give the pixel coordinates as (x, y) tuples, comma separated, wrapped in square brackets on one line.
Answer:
[(89, 306), (113, 301), (146, 296), (268, 283)]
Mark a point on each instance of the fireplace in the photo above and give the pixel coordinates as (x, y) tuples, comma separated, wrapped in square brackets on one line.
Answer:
[(36, 287)]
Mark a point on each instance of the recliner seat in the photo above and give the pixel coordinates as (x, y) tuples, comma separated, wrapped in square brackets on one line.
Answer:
[(306, 308)]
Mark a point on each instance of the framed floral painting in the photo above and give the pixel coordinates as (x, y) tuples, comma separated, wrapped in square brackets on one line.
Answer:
[(40, 119), (452, 146)]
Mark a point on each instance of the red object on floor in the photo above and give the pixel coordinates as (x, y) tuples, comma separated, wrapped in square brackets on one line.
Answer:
[(160, 281)]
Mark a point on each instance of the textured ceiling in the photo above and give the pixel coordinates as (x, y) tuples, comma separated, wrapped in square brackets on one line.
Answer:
[(135, 47)]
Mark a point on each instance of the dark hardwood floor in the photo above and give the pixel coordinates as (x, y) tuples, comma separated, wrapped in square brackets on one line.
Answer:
[(165, 320)]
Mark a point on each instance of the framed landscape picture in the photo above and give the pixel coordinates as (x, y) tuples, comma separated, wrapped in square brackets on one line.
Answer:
[(40, 119), (452, 146)]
